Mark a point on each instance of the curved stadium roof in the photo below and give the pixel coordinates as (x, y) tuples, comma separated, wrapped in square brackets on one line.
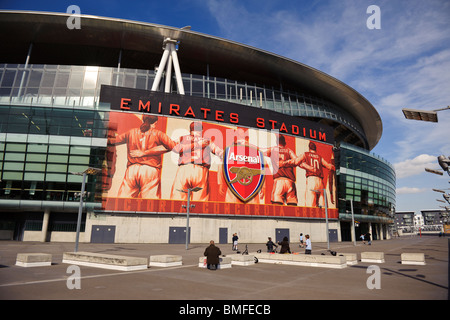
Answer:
[(100, 40)]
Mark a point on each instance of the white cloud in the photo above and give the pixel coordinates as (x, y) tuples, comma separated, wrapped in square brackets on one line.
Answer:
[(409, 190), (415, 166)]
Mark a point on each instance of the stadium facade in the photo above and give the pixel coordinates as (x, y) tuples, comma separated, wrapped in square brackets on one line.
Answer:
[(264, 146)]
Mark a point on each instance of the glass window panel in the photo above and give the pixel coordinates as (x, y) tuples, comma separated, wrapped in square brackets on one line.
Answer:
[(13, 166), (197, 87), (8, 78), (5, 92), (76, 168), (186, 85), (80, 150), (129, 80), (15, 147), (33, 157), (57, 158), (90, 78), (62, 80), (55, 177), (57, 168), (14, 156), (220, 87), (48, 79), (79, 159), (75, 80), (104, 77), (58, 149), (75, 178), (35, 167), (80, 141), (34, 176), (60, 130), (12, 175), (35, 78), (141, 83)]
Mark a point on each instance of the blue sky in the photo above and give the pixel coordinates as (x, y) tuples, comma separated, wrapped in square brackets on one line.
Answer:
[(406, 63)]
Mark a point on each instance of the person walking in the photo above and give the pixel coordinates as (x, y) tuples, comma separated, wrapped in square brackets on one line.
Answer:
[(308, 247), (301, 240), (367, 237), (212, 254)]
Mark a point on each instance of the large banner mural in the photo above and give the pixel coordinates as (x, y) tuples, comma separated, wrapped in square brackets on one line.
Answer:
[(161, 145)]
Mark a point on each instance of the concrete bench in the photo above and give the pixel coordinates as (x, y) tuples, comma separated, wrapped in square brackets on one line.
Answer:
[(372, 257), (413, 258), (325, 261), (33, 259), (351, 258), (225, 262), (105, 261), (242, 259), (165, 260)]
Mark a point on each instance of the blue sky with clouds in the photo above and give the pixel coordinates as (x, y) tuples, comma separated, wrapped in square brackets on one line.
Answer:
[(406, 63)]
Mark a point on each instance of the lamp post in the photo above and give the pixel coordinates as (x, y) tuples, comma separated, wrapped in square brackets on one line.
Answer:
[(88, 171), (434, 171), (326, 214), (422, 115), (353, 220), (188, 191)]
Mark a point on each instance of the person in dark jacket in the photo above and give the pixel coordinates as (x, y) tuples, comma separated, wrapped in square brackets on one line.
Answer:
[(270, 245), (212, 254), (285, 246)]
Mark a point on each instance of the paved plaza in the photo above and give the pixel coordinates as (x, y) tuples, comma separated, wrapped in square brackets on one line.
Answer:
[(257, 282)]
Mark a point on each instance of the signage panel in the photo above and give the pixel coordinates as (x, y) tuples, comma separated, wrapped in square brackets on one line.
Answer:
[(160, 145)]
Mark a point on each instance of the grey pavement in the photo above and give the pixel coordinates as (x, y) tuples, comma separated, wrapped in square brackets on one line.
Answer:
[(261, 281)]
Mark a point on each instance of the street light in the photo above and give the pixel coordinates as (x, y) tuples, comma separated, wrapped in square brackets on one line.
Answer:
[(444, 162), (353, 220), (422, 115), (88, 171), (434, 171), (326, 214), (188, 191)]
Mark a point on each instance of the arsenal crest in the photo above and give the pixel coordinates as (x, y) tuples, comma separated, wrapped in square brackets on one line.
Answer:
[(243, 167)]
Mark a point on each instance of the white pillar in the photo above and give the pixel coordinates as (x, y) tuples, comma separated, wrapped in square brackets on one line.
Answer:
[(45, 220), (162, 64), (176, 66), (167, 88), (169, 57)]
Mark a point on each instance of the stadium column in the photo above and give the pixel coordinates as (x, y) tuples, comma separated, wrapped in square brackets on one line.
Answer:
[(45, 220), (169, 57)]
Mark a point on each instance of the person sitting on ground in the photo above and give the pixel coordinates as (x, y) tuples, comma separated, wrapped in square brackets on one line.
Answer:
[(212, 254), (285, 246)]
